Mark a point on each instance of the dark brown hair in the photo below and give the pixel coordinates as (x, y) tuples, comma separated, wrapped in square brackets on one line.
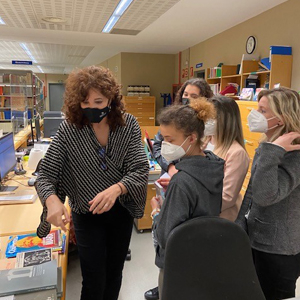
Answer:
[(229, 124), (78, 85), (188, 118), (205, 90)]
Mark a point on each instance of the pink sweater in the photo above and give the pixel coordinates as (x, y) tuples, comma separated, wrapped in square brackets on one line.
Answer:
[(235, 170)]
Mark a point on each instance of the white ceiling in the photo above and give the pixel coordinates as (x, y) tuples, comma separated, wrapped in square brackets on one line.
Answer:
[(167, 26)]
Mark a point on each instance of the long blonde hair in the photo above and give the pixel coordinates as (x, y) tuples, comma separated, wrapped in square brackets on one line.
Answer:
[(229, 124), (285, 105)]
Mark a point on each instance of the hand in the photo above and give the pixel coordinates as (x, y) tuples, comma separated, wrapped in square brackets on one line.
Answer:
[(206, 141), (105, 200), (154, 203), (164, 182), (57, 212), (172, 170), (285, 141)]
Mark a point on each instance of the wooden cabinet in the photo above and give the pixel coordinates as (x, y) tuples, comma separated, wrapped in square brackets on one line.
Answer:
[(251, 138), (146, 222), (143, 108)]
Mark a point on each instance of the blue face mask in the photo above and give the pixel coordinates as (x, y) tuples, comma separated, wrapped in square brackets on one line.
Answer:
[(96, 115)]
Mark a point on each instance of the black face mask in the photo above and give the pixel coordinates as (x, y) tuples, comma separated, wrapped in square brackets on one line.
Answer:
[(185, 101), (96, 115)]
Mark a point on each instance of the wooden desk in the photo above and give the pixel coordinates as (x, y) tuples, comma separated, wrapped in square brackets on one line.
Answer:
[(20, 139), (23, 218)]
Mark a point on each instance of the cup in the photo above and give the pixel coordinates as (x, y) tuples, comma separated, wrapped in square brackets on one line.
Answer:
[(34, 157)]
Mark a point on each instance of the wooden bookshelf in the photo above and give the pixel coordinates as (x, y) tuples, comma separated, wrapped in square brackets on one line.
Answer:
[(280, 72)]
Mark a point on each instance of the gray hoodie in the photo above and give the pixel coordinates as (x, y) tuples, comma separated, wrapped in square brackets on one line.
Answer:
[(195, 191)]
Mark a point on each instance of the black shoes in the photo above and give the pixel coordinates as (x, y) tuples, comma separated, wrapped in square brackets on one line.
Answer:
[(128, 256), (152, 294)]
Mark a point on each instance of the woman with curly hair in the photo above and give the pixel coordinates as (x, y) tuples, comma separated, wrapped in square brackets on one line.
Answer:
[(96, 160), (196, 189)]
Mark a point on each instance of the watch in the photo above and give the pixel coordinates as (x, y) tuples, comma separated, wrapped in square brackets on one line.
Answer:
[(154, 212), (250, 44)]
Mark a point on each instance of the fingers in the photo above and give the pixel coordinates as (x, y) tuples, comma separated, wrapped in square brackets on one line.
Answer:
[(66, 214)]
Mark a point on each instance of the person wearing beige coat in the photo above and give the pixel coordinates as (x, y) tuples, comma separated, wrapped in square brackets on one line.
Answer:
[(235, 170), (226, 136)]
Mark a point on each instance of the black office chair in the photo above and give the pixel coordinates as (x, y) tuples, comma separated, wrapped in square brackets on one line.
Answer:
[(209, 258)]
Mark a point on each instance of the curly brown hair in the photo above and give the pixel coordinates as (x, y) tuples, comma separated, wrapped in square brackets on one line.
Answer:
[(205, 90), (189, 118), (77, 88)]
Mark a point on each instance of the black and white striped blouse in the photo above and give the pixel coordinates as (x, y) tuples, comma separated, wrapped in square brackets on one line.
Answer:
[(72, 168)]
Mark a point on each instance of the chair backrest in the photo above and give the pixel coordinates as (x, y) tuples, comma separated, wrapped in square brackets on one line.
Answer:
[(209, 258)]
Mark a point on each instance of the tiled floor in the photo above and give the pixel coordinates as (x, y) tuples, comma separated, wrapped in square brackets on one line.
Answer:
[(140, 274)]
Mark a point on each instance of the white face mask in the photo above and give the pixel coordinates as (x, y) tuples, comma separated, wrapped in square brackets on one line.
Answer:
[(173, 152), (258, 122), (210, 147), (210, 127)]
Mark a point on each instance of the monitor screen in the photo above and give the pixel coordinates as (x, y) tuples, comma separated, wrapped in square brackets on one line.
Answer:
[(37, 128), (51, 125), (7, 155)]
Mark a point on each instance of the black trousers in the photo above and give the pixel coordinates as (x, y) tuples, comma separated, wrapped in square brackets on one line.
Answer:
[(277, 274), (103, 242)]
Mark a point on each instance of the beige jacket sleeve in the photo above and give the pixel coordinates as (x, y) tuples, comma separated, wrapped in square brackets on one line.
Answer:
[(235, 170)]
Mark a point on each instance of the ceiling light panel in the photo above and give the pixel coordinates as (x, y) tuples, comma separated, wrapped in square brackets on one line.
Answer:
[(43, 53), (143, 13), (81, 15)]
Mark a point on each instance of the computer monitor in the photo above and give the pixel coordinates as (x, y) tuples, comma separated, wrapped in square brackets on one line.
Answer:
[(52, 120), (7, 159), (37, 128)]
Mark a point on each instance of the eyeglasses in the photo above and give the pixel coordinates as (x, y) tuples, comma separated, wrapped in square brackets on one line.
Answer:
[(103, 164)]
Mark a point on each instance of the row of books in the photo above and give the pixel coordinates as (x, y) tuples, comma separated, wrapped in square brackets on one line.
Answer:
[(5, 115), (215, 72), (30, 269), (215, 88)]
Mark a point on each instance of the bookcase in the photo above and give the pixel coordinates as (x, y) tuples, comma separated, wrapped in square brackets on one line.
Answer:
[(21, 97), (280, 72)]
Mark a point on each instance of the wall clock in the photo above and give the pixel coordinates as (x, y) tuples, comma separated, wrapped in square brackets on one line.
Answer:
[(250, 44)]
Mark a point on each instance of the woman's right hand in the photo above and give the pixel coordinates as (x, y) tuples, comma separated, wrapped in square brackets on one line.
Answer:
[(164, 182), (57, 212), (285, 141)]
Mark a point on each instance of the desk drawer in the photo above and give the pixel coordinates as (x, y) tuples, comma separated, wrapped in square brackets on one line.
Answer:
[(146, 121), (246, 107), (250, 146), (137, 100)]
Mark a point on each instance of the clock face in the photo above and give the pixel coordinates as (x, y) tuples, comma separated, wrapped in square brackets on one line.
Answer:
[(250, 45)]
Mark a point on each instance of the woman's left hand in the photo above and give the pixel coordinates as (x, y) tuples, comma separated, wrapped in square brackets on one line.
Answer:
[(285, 141), (154, 203), (105, 200)]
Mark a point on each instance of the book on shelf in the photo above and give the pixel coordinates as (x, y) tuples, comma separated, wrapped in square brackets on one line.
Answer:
[(215, 72), (231, 88), (257, 91), (246, 94), (265, 63), (30, 241), (28, 279), (37, 257), (280, 50), (215, 88)]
